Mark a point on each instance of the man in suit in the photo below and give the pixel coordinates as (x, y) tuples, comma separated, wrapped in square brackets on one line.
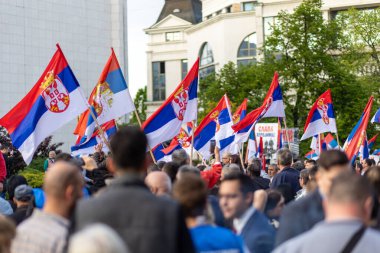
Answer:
[(254, 170), (235, 199), (301, 215), (145, 223), (287, 176)]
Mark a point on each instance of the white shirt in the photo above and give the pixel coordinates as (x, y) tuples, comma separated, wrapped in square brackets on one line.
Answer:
[(239, 223)]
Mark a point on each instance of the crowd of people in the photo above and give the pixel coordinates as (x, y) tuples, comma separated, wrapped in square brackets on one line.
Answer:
[(119, 203)]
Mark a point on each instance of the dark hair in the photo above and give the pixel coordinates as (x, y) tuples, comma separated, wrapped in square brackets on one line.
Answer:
[(236, 160), (304, 174), (286, 191), (311, 161), (191, 192), (201, 167), (160, 164), (13, 182), (66, 157), (358, 164), (246, 183), (298, 166), (171, 168), (373, 175), (331, 158), (284, 157), (153, 167), (128, 148), (313, 171), (274, 197), (369, 162), (254, 169), (180, 157), (349, 187)]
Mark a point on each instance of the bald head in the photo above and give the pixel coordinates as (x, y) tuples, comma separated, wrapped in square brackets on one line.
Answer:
[(159, 183), (59, 177)]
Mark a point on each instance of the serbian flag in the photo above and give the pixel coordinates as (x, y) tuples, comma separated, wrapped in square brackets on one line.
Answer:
[(260, 149), (159, 155), (376, 117), (54, 100), (312, 155), (372, 141), (252, 146), (224, 135), (318, 144), (209, 128), (364, 151), (241, 112), (110, 99), (321, 117), (273, 106), (87, 148), (331, 142), (358, 134), (180, 107), (279, 135), (182, 140), (376, 152)]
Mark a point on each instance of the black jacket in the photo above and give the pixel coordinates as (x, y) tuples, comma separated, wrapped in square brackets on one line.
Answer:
[(145, 223), (21, 213)]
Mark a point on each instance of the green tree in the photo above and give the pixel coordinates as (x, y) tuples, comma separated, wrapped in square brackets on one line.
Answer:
[(139, 101)]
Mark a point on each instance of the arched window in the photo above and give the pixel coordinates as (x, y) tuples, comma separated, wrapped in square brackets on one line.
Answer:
[(206, 60), (247, 50)]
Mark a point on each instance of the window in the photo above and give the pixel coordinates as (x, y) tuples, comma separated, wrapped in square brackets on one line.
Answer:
[(249, 6), (183, 69), (247, 50), (173, 36), (158, 81), (207, 61), (269, 23)]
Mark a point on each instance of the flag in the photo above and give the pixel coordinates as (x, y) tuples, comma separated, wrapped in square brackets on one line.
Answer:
[(357, 135), (252, 146), (376, 117), (260, 149), (364, 151), (312, 155), (321, 117), (241, 111), (159, 155), (110, 99), (54, 100), (279, 135), (224, 135), (331, 142), (182, 140), (213, 127), (318, 144), (372, 141), (87, 148), (190, 127), (180, 107), (376, 152), (273, 106)]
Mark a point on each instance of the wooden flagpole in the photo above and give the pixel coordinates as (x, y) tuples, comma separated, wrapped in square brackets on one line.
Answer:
[(286, 133), (337, 139), (150, 149), (102, 134), (319, 144), (192, 143)]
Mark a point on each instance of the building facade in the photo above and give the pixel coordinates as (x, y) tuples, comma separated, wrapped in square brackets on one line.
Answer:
[(229, 30), (85, 30)]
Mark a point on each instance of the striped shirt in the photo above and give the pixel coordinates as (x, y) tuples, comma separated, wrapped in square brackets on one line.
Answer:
[(41, 233)]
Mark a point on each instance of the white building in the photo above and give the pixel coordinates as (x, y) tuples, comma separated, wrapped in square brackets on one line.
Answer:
[(86, 30), (228, 30)]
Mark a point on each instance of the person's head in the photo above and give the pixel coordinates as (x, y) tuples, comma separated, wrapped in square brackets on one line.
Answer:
[(275, 204), (310, 163), (366, 163), (349, 197), (161, 164), (235, 195), (152, 167), (159, 183), (358, 168), (191, 192), (180, 157), (4, 149), (23, 195), (185, 169), (272, 170), (97, 238), (373, 176), (284, 158), (304, 177), (331, 164), (52, 154), (66, 157), (128, 147), (63, 185), (171, 168), (229, 169), (235, 159), (226, 158), (298, 166), (7, 233), (254, 169), (13, 182)]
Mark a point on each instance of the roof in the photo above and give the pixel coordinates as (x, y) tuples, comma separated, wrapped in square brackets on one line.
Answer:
[(189, 10)]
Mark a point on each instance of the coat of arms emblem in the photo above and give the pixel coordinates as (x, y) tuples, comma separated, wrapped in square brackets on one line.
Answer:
[(54, 93), (179, 103), (102, 98), (322, 108)]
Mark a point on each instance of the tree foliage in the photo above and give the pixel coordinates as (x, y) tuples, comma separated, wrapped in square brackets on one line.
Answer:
[(139, 101)]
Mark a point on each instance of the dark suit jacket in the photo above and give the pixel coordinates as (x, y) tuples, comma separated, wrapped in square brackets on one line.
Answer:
[(260, 183), (258, 234), (145, 223), (287, 176), (300, 216)]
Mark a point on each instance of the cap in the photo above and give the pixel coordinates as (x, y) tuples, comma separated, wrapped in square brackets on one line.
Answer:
[(23, 193)]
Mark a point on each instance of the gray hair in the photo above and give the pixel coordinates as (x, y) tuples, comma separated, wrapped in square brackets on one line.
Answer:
[(180, 157), (97, 238), (284, 157), (230, 169), (184, 169)]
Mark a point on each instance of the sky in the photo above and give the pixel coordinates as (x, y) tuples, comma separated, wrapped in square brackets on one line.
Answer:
[(141, 14)]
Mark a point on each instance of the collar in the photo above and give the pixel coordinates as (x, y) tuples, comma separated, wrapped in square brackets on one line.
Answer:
[(240, 222), (128, 179), (49, 216)]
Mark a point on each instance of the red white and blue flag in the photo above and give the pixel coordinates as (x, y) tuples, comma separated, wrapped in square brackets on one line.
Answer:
[(273, 106), (182, 140), (331, 142), (54, 100), (110, 99), (321, 117), (376, 117), (318, 144), (372, 141), (87, 148), (159, 155), (358, 134), (312, 155), (180, 107), (364, 150), (224, 135), (252, 146), (376, 152), (240, 112)]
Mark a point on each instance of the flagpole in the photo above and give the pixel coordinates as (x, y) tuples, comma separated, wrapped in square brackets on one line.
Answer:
[(241, 160), (192, 143), (150, 149), (319, 144), (286, 133), (102, 134), (337, 138)]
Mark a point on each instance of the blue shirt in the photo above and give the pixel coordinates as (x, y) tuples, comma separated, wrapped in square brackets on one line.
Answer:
[(208, 238)]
